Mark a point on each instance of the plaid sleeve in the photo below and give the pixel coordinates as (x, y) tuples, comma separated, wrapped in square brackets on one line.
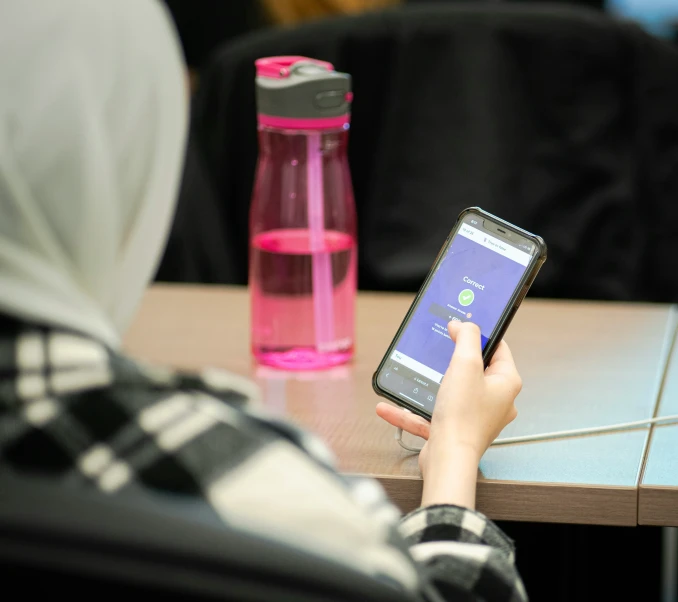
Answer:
[(461, 550), (72, 410)]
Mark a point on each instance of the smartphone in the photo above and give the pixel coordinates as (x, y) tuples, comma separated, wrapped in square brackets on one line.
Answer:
[(481, 275)]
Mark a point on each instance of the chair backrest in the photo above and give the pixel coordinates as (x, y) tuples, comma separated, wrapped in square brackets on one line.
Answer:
[(560, 120), (197, 249), (54, 539)]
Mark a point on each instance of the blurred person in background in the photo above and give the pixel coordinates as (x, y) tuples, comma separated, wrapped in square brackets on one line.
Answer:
[(291, 12), (205, 25), (94, 119)]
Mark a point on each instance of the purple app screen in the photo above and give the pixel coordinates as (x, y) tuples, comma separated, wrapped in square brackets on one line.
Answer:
[(474, 283)]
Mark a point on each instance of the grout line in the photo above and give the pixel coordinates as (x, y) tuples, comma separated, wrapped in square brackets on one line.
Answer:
[(669, 348)]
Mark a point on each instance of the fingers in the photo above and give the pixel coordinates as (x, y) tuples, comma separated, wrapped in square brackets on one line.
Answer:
[(502, 360), (468, 350), (467, 359), (502, 354), (502, 364), (400, 418)]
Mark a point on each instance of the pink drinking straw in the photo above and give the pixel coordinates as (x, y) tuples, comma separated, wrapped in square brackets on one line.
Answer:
[(323, 303)]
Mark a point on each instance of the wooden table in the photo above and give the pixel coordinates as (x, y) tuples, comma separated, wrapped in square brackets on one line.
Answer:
[(658, 494), (583, 364)]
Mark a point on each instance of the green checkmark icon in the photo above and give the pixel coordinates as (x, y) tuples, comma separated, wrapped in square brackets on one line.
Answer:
[(466, 297)]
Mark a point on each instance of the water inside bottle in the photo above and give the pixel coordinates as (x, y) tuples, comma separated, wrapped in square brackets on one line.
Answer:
[(281, 283)]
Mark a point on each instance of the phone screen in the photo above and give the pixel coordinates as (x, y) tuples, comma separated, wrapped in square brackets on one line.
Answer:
[(474, 281)]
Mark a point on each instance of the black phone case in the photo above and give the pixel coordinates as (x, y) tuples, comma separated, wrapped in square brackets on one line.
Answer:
[(504, 321)]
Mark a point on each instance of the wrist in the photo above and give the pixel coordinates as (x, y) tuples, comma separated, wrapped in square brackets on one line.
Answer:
[(450, 476), (443, 452)]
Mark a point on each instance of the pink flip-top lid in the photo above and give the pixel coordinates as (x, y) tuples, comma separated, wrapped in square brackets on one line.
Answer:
[(297, 92)]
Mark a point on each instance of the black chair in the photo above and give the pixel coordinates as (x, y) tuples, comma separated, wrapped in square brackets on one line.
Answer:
[(198, 248), (559, 119), (58, 541), (205, 25)]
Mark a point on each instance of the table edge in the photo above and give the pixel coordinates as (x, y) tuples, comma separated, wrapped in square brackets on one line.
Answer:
[(658, 505), (652, 497), (521, 501)]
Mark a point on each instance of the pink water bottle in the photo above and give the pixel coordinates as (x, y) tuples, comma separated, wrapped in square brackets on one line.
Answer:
[(302, 220)]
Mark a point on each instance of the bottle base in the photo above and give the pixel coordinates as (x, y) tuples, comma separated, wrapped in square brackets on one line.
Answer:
[(302, 358)]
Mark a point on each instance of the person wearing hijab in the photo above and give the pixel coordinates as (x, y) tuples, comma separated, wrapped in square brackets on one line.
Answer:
[(93, 119)]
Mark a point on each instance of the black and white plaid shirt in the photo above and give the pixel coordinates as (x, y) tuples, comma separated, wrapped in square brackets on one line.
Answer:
[(71, 408)]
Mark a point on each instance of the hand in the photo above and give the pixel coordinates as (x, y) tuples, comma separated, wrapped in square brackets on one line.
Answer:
[(472, 407)]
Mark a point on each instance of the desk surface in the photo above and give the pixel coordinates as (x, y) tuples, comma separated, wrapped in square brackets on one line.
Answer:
[(658, 494), (583, 364)]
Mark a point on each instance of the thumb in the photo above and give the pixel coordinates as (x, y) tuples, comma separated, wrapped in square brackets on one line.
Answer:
[(468, 352)]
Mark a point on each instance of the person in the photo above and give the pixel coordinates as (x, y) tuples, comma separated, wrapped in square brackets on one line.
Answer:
[(294, 12), (208, 25), (94, 119)]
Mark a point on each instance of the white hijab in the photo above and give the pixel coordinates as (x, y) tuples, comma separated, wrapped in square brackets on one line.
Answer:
[(93, 117)]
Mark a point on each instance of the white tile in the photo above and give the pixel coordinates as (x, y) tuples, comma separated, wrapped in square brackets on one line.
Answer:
[(422, 552), (184, 431), (115, 476), (40, 412), (72, 350), (66, 381), (30, 386), (95, 460), (153, 418), (30, 351), (413, 524), (473, 523)]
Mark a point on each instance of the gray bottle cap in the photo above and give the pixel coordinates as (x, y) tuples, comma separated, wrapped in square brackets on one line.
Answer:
[(304, 89)]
